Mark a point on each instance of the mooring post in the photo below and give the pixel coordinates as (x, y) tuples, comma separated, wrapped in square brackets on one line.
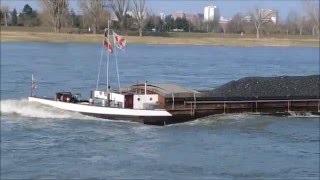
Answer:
[(288, 106), (195, 100), (256, 106), (318, 106), (172, 101), (224, 107)]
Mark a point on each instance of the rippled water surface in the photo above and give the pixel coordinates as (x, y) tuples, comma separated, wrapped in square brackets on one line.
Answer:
[(42, 142)]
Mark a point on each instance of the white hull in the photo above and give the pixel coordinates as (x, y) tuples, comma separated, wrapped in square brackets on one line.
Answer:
[(100, 111)]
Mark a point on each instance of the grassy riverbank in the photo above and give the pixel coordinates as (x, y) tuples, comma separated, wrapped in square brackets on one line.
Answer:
[(44, 35)]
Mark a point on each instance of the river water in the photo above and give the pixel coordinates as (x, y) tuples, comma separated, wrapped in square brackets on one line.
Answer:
[(42, 142)]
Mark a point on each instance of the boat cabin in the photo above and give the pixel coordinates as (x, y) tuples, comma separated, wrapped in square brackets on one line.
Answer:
[(67, 97), (142, 96)]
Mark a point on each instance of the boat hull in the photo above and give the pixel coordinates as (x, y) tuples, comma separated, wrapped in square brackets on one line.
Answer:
[(154, 117)]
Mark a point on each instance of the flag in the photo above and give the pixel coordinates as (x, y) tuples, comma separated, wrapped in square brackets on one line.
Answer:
[(108, 45), (106, 33), (119, 41), (34, 85)]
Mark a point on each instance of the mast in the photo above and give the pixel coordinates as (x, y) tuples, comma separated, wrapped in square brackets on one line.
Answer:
[(108, 58), (31, 85), (107, 33)]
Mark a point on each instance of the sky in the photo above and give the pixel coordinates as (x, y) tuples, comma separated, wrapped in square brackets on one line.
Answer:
[(228, 8)]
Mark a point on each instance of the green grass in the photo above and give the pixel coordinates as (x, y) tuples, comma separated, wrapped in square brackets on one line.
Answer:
[(184, 38)]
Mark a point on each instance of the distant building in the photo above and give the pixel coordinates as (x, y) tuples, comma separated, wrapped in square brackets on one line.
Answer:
[(194, 19), (162, 16), (180, 15), (246, 18), (211, 13), (132, 14), (269, 15), (201, 16), (223, 20)]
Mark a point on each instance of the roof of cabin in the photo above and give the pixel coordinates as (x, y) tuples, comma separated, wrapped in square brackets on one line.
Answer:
[(168, 89)]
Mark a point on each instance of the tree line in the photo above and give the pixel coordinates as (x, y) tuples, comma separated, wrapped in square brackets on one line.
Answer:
[(133, 15)]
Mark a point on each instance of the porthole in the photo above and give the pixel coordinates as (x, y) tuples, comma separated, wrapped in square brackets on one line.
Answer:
[(150, 99), (138, 99)]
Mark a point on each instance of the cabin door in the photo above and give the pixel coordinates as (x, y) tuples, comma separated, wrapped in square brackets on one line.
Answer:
[(128, 101)]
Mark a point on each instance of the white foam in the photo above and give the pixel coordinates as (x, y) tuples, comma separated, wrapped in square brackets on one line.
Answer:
[(218, 118), (301, 114), (30, 109)]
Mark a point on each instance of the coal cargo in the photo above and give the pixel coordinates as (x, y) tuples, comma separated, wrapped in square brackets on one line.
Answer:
[(282, 87)]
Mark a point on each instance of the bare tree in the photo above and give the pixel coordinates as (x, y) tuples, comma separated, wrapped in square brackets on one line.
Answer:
[(235, 24), (56, 9), (223, 25), (156, 21), (140, 14), (312, 10), (4, 14), (291, 22), (300, 23), (120, 8), (295, 22), (260, 18), (93, 10)]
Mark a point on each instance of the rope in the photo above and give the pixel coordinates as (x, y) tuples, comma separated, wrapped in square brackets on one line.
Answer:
[(99, 67), (115, 54), (108, 58)]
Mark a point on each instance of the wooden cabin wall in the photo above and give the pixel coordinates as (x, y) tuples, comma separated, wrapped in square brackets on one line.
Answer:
[(162, 101)]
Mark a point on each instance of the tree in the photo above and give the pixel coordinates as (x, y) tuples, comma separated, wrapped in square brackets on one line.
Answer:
[(181, 23), (295, 22), (4, 14), (92, 10), (56, 9), (300, 23), (75, 19), (169, 21), (291, 22), (155, 21), (216, 20), (223, 26), (27, 10), (140, 14), (14, 17), (28, 17), (120, 8), (260, 18), (235, 24), (312, 10)]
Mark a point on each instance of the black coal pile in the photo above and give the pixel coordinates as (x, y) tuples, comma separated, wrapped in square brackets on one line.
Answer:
[(269, 88)]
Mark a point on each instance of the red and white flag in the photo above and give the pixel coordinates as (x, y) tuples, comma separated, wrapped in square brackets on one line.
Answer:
[(33, 83), (108, 45), (119, 41)]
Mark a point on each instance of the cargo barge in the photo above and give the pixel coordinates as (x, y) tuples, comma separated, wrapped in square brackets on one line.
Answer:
[(162, 104)]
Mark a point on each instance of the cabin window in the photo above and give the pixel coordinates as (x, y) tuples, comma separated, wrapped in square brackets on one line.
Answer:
[(138, 99)]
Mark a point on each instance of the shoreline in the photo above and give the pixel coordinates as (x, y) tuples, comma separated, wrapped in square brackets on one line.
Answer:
[(22, 36)]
